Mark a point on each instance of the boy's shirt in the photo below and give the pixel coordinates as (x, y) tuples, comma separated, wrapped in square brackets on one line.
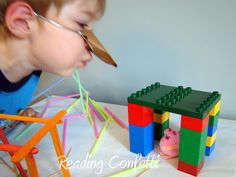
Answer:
[(16, 96)]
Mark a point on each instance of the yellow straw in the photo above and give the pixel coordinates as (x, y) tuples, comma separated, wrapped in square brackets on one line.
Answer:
[(87, 110), (101, 110), (93, 150), (72, 105), (98, 109), (133, 170), (87, 105)]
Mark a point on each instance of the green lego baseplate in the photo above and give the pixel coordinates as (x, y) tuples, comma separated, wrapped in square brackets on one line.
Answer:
[(179, 100)]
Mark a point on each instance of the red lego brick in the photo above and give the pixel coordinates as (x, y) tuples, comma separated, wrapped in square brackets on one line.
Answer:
[(139, 115), (195, 124), (190, 169)]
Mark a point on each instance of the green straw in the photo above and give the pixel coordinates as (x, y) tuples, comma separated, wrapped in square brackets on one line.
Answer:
[(133, 170), (85, 105), (94, 148), (77, 79), (25, 131)]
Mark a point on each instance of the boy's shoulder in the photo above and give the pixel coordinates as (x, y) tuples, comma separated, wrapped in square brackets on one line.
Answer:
[(7, 86), (15, 96)]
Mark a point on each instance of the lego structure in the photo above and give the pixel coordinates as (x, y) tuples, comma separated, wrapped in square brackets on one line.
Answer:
[(148, 112)]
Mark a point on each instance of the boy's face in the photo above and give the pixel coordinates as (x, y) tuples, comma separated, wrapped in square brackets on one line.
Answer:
[(59, 50)]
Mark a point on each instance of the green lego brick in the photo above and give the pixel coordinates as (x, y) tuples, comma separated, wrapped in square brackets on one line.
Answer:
[(213, 119), (159, 129), (180, 100), (192, 146)]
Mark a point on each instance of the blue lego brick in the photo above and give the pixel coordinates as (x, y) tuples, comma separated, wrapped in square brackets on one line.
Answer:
[(212, 129), (141, 139), (209, 150)]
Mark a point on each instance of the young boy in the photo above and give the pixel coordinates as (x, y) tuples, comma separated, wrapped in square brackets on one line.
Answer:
[(42, 35)]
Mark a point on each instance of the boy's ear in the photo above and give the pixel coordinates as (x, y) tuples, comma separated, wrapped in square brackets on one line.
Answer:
[(17, 16)]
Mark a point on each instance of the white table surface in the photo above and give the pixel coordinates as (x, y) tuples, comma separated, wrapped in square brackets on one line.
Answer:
[(114, 148)]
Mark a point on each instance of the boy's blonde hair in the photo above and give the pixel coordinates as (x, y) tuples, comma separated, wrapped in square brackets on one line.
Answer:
[(41, 7)]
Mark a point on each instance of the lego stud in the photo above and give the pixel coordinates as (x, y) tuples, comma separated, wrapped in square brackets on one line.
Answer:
[(200, 110), (168, 103), (173, 101), (144, 91), (158, 101), (178, 98), (189, 89), (139, 93), (148, 88), (180, 87), (133, 95), (157, 84)]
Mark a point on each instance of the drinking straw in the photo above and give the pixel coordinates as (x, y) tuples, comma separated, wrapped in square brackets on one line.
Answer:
[(9, 166), (55, 100), (88, 111), (133, 170), (94, 148), (48, 88), (96, 112), (117, 120), (64, 97), (25, 131), (30, 127), (86, 105), (77, 79), (75, 116), (45, 108), (99, 109), (73, 105), (64, 139), (45, 94), (94, 124)]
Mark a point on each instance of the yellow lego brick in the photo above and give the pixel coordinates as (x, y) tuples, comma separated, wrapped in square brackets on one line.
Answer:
[(215, 109), (211, 139), (161, 118)]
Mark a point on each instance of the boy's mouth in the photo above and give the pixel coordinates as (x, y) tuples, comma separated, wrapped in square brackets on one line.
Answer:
[(84, 63)]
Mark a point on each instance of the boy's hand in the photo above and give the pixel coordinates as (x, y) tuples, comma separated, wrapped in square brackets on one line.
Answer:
[(29, 112)]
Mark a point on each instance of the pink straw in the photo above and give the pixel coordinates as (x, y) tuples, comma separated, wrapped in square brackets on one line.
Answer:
[(64, 139), (75, 116), (94, 124), (95, 112), (119, 121), (45, 108), (54, 100), (64, 97), (66, 118)]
